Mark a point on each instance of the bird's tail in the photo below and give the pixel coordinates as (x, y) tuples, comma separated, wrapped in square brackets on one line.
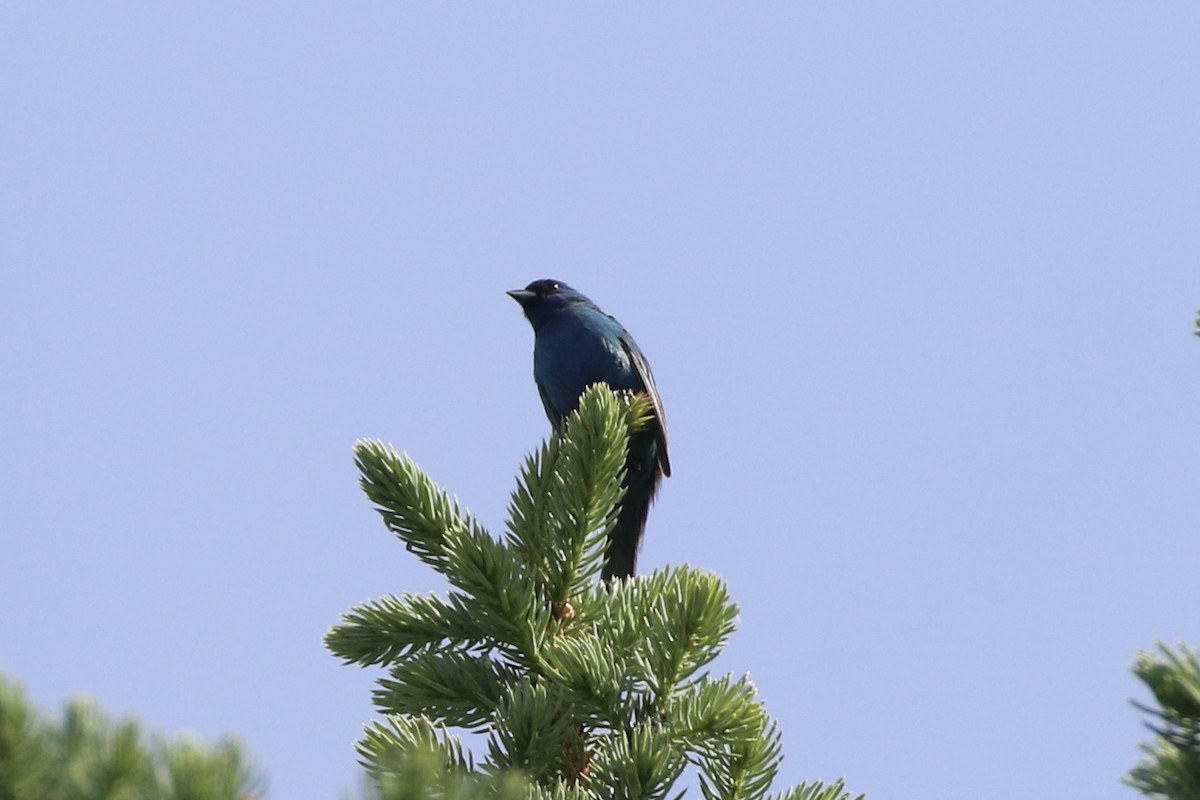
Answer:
[(642, 476)]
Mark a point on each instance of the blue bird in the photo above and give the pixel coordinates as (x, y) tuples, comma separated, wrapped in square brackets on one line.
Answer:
[(575, 345)]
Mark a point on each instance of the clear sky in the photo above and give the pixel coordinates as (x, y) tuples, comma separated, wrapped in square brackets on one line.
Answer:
[(917, 280)]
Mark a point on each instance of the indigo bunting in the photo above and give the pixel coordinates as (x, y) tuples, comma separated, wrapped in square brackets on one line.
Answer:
[(575, 345)]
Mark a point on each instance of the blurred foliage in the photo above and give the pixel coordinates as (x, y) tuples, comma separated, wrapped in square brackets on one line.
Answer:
[(86, 755), (1170, 768)]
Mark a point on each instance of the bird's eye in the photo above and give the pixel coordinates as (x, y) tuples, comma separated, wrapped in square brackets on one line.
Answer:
[(544, 287)]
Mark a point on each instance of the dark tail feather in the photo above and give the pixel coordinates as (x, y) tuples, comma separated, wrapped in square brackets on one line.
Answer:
[(642, 475)]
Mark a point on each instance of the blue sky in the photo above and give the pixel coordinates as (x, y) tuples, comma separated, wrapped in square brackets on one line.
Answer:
[(917, 281)]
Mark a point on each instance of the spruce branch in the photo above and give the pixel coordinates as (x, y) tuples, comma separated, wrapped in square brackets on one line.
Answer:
[(387, 742), (716, 713), (420, 773), (1171, 766), (563, 507), (685, 616), (389, 628), (819, 791), (536, 732), (601, 680), (586, 690), (413, 507), (640, 764), (85, 753), (455, 689)]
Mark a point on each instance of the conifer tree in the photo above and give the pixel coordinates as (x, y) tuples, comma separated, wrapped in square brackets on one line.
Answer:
[(582, 689), (1171, 766), (87, 755)]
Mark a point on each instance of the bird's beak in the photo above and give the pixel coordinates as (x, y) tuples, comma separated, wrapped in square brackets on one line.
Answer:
[(522, 296)]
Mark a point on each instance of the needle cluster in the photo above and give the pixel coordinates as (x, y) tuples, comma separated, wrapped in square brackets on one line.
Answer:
[(580, 689)]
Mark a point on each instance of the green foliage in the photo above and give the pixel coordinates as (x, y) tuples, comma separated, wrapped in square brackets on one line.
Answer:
[(85, 755), (423, 773), (1171, 766), (581, 689)]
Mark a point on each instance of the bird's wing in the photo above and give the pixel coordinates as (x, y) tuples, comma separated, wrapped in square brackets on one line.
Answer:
[(642, 368), (552, 415)]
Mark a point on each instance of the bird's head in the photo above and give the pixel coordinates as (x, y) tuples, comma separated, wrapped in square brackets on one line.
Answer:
[(542, 298)]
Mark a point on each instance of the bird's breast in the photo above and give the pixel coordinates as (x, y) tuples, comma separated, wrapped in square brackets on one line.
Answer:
[(570, 356)]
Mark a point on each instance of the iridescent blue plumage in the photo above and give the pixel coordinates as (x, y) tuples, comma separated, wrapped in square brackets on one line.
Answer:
[(575, 345)]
